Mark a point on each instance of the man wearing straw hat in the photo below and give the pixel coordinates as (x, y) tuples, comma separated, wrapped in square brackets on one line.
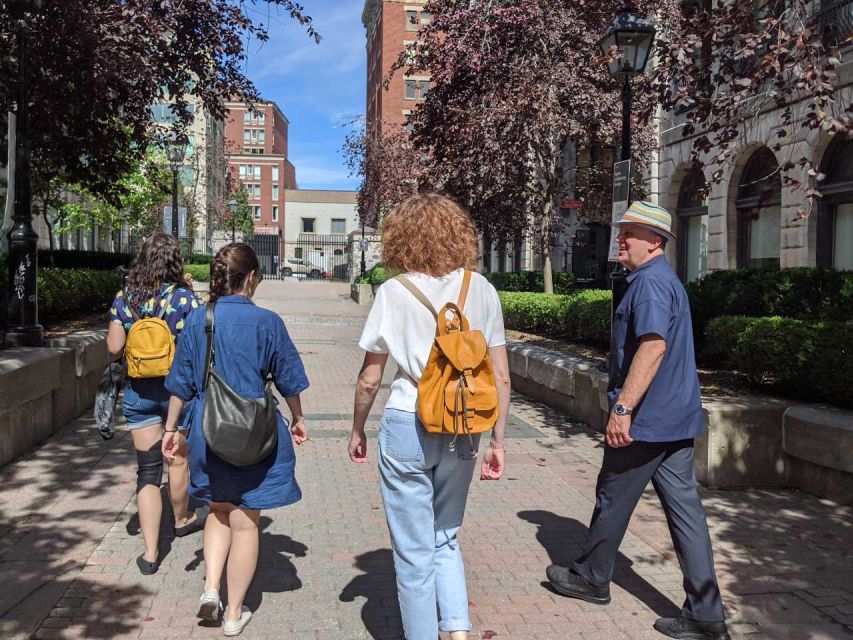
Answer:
[(656, 412)]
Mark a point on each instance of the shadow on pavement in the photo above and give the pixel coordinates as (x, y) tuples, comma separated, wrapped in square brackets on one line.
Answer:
[(276, 572), (378, 586), (563, 538)]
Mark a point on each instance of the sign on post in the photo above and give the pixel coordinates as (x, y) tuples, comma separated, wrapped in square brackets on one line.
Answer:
[(621, 198)]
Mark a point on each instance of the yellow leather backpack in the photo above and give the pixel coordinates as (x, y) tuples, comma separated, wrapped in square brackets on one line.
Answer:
[(150, 346), (457, 393)]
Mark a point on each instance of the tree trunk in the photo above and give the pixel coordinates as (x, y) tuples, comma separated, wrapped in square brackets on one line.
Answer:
[(545, 238)]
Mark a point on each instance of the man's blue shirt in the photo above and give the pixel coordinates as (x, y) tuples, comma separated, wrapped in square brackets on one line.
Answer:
[(656, 303)]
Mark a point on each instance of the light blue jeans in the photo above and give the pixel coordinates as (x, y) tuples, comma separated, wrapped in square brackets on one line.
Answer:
[(424, 488)]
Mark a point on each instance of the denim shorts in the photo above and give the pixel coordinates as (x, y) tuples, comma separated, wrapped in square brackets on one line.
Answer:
[(145, 402)]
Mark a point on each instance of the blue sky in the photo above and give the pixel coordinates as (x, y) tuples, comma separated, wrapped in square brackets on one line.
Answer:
[(317, 86)]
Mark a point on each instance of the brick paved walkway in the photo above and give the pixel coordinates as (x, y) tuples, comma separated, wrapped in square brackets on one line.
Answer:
[(67, 558)]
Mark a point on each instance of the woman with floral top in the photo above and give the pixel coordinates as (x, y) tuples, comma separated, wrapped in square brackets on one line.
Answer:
[(155, 286)]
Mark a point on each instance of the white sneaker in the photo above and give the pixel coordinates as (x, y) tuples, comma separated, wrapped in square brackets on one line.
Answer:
[(235, 627), (209, 606)]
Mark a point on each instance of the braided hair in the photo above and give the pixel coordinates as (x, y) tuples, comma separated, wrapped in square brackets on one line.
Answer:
[(230, 268), (158, 261)]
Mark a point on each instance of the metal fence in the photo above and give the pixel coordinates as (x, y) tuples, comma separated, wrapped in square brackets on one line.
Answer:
[(309, 257)]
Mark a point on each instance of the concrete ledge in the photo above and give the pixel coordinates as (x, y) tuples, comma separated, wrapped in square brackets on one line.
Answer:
[(46, 387), (820, 434), (749, 441), (362, 293)]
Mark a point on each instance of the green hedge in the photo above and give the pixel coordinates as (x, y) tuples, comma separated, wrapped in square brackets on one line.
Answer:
[(198, 258), (199, 272), (65, 294), (532, 281), (807, 360), (582, 316), (802, 293), (69, 259), (376, 275)]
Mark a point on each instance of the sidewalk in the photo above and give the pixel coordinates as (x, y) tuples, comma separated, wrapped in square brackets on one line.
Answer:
[(67, 558)]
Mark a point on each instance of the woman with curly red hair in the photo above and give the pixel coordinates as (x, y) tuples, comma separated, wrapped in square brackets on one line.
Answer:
[(424, 481)]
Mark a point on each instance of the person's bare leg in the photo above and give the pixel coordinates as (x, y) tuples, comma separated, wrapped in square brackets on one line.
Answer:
[(149, 502), (217, 542), (458, 635), (243, 559), (179, 481)]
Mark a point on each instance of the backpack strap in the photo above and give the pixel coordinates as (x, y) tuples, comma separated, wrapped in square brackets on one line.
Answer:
[(463, 294), (209, 332), (163, 308), (403, 280)]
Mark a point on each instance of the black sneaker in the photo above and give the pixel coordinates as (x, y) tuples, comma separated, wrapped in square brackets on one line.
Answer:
[(685, 629), (568, 583)]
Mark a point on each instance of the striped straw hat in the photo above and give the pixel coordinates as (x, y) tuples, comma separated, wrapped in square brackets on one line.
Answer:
[(649, 215)]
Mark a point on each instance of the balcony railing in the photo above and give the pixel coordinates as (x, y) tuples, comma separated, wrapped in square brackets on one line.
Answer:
[(836, 22)]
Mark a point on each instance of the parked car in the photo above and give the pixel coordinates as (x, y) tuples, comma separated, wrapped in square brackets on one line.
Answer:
[(299, 266)]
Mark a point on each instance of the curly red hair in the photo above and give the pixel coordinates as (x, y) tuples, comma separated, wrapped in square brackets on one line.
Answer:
[(429, 233)]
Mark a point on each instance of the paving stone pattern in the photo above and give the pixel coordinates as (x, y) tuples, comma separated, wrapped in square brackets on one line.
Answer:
[(68, 540)]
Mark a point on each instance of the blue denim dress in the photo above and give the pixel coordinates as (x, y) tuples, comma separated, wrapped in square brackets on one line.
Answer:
[(250, 343)]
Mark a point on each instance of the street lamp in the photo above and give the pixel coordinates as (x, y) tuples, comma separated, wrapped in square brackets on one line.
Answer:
[(176, 149), (232, 207), (24, 329), (626, 43)]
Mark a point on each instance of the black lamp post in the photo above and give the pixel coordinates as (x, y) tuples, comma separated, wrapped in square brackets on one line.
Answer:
[(627, 43), (232, 207), (176, 149), (24, 329)]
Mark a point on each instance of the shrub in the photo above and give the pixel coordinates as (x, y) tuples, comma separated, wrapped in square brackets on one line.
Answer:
[(199, 272), (582, 316), (70, 259), (803, 293), (377, 275), (198, 258), (807, 360), (68, 293), (532, 281)]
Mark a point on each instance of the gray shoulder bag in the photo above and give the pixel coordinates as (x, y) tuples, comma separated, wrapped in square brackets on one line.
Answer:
[(240, 431)]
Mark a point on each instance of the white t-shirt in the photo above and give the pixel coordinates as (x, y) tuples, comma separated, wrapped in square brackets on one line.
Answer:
[(401, 326)]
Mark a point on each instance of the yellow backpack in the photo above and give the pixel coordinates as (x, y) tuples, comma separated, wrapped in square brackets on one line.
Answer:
[(457, 393), (150, 346)]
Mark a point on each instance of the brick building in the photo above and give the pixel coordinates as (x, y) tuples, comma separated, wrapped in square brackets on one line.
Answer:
[(390, 26), (256, 149)]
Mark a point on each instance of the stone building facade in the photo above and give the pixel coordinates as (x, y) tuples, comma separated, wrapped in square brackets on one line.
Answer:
[(750, 219)]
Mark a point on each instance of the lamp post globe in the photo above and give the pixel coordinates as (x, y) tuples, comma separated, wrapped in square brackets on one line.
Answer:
[(176, 149), (23, 329), (232, 207)]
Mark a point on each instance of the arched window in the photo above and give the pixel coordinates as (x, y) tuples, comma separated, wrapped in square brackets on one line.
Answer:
[(692, 214), (835, 211), (759, 210)]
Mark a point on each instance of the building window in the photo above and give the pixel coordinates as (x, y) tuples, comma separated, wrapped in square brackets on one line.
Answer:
[(275, 174), (275, 192), (835, 208), (242, 172), (307, 225), (261, 136), (426, 17), (275, 213), (692, 214), (256, 171), (247, 116), (411, 90), (257, 212), (297, 253), (247, 136), (411, 20), (339, 225), (759, 210)]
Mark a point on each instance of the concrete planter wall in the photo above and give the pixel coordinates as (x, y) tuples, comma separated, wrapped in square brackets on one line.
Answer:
[(750, 441), (45, 388), (362, 293)]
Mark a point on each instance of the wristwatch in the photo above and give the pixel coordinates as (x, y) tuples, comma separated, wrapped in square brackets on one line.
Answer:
[(622, 410)]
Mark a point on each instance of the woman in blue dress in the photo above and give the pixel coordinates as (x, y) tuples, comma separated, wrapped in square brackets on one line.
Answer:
[(250, 344), (156, 286)]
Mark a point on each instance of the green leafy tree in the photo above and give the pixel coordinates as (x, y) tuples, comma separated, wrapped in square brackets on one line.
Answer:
[(241, 220), (144, 190)]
